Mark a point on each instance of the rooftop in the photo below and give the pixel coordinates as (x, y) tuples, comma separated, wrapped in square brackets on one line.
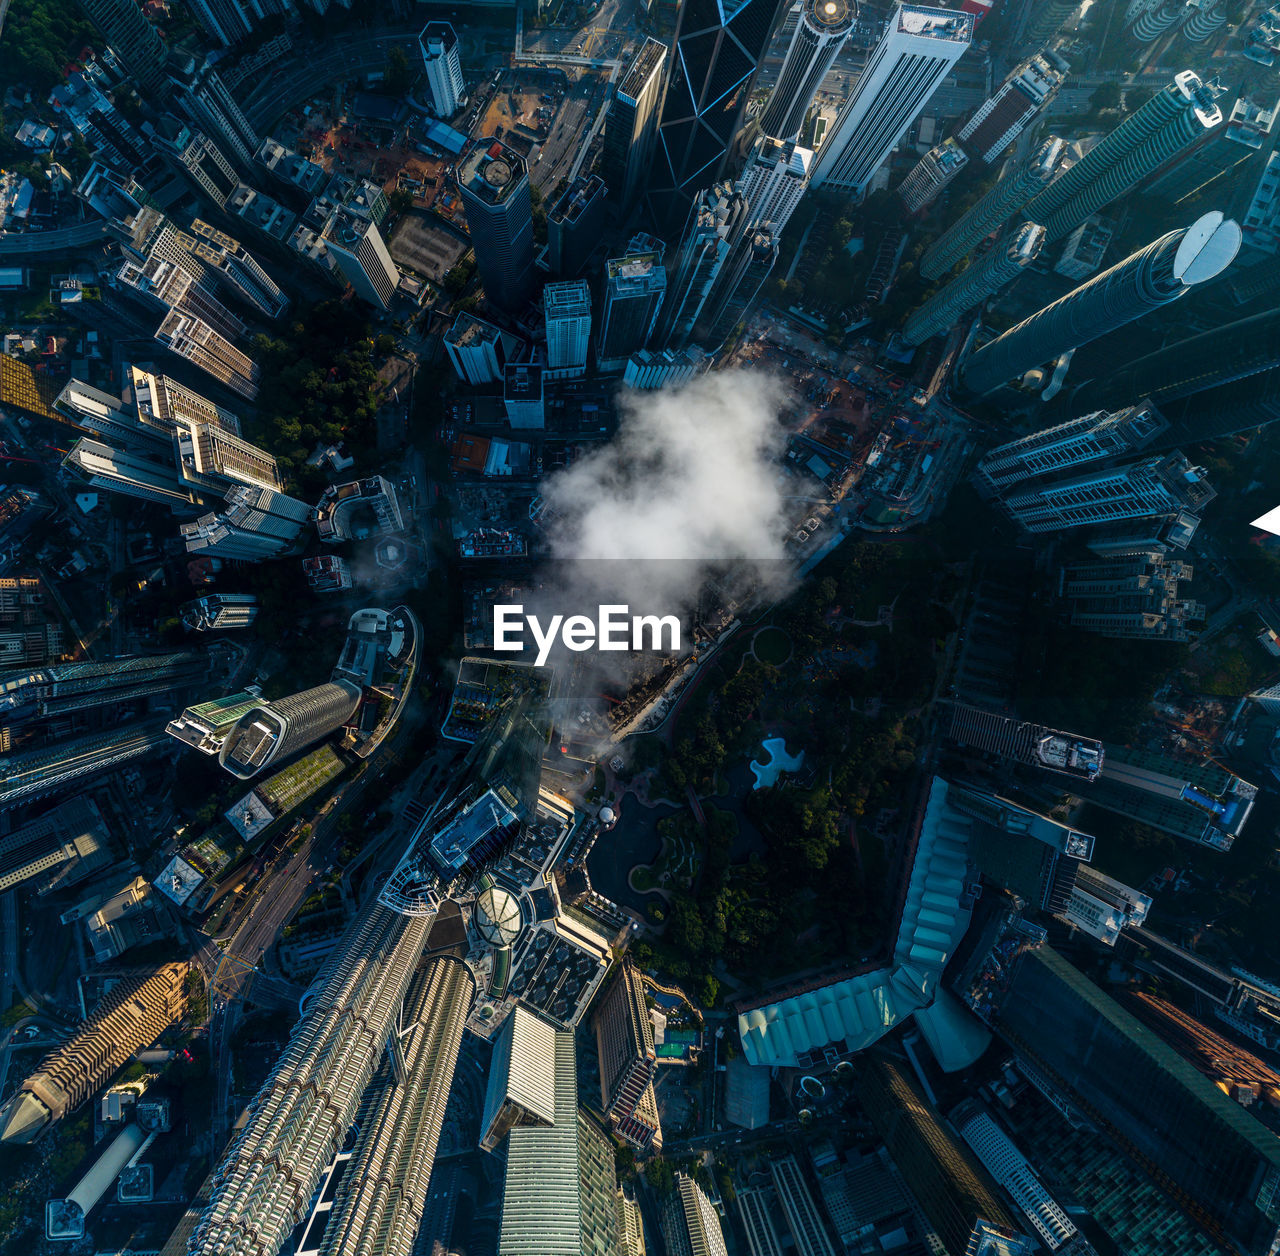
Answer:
[(491, 171), (946, 24), (641, 69)]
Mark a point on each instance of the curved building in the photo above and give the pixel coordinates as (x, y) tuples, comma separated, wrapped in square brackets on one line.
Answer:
[(1149, 19), (1203, 18), (271, 732), (820, 34), (1002, 265), (1165, 270), (497, 916), (1010, 194)]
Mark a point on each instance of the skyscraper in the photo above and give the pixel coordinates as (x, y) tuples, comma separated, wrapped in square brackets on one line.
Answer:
[(478, 350), (1177, 117), (798, 1207), (624, 1042), (255, 523), (137, 42), (567, 307), (441, 57), (521, 1087), (200, 160), (718, 217), (1149, 19), (1002, 118), (690, 1223), (977, 222), (632, 124), (201, 95), (356, 244), (273, 731), (217, 612), (493, 181), (916, 52), (1133, 596), (1248, 128), (190, 337), (971, 287), (63, 688), (823, 27), (205, 726), (715, 58), (1165, 270), (224, 21), (774, 179), (1046, 19), (634, 288), (132, 1015), (575, 225), (743, 274), (234, 268), (926, 179)]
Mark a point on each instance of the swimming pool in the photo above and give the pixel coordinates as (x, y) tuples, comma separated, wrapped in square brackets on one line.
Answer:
[(779, 761)]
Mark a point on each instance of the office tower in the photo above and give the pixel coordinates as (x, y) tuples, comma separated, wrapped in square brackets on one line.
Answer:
[(1165, 270), (931, 174), (1066, 446), (774, 179), (202, 161), (69, 842), (823, 27), (130, 1016), (356, 244), (715, 58), (128, 472), (63, 688), (1046, 19), (522, 395), (916, 52), (478, 350), (224, 21), (205, 726), (134, 39), (559, 1193), (272, 732), (971, 287), (631, 124), (1156, 487), (1103, 907), (265, 1180), (191, 338), (1131, 596), (1002, 118), (575, 225), (1011, 1169), (441, 55), (381, 1196), (1216, 1162), (567, 307), (803, 1219), (254, 524), (977, 222), (233, 267), (741, 277), (1178, 116), (493, 181), (1248, 128), (941, 1172), (624, 1042), (521, 1088), (1085, 248), (647, 369), (689, 1221), (634, 289), (202, 96), (216, 612), (1020, 741), (718, 217)]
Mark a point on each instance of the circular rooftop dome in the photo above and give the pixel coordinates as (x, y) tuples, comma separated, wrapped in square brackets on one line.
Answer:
[(497, 174), (830, 16), (607, 815), (498, 919)]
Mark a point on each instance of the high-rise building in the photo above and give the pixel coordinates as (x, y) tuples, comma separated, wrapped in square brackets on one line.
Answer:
[(162, 285), (820, 33), (523, 396), (916, 52), (1085, 248), (224, 21), (493, 181), (1103, 907), (1047, 19), (719, 216), (1178, 116), (273, 731), (356, 244), (631, 124), (1066, 446), (977, 222), (131, 1015), (382, 1194), (253, 524), (201, 161), (741, 277), (716, 55), (798, 1207), (216, 612), (971, 287), (71, 833), (478, 350), (942, 1173), (1131, 596), (1001, 119), (1156, 487), (134, 39), (774, 179), (63, 688), (1248, 128), (441, 55), (129, 472), (690, 1223), (647, 369), (1164, 271), (942, 163), (189, 337), (1217, 1162), (634, 289), (205, 726), (235, 269), (521, 1088), (567, 307), (1147, 20), (624, 1041), (358, 509), (200, 94), (1201, 18), (575, 225)]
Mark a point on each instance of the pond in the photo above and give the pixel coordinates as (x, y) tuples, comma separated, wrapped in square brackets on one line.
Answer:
[(779, 761)]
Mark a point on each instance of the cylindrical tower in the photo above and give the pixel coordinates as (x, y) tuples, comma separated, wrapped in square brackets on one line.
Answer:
[(272, 732), (1162, 272), (1010, 194), (1150, 20), (1202, 19), (1003, 264), (820, 34)]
